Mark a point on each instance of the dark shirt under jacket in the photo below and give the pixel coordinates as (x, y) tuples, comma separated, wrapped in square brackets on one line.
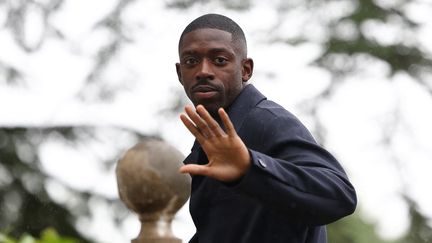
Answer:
[(292, 189)]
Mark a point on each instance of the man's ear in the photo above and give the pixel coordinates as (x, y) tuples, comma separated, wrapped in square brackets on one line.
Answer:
[(178, 72), (247, 69)]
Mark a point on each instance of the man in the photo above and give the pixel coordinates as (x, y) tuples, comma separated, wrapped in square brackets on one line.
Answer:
[(257, 173)]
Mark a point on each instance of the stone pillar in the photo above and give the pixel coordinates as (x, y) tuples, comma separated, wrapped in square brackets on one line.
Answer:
[(150, 185)]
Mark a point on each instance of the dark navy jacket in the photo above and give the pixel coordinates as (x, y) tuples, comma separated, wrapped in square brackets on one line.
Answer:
[(292, 189)]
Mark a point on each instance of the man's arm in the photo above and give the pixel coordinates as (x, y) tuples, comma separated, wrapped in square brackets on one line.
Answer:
[(290, 174)]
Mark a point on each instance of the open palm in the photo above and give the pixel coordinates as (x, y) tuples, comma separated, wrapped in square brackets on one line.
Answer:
[(227, 154)]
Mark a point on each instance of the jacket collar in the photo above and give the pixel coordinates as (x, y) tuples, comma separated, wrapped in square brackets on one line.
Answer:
[(248, 98)]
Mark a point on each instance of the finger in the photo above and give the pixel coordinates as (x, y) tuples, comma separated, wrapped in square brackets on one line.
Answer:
[(211, 123), (230, 130), (195, 169), (192, 128), (199, 122)]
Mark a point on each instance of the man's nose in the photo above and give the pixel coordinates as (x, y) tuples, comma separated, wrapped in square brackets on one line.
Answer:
[(205, 70)]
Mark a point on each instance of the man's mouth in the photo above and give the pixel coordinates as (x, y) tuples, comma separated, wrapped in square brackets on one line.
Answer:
[(204, 91), (203, 88)]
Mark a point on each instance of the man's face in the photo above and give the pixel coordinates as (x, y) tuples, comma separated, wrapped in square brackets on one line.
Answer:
[(212, 70)]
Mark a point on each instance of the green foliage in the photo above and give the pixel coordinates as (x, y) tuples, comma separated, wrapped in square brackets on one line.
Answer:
[(419, 230), (353, 229), (404, 55), (25, 206), (48, 236), (399, 57)]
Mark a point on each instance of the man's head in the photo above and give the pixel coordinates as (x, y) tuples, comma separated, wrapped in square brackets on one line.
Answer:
[(213, 67), (219, 22)]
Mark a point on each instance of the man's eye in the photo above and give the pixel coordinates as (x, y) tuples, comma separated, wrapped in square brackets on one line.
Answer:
[(220, 60), (190, 61)]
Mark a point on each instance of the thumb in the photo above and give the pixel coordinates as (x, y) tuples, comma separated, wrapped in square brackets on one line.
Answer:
[(195, 169)]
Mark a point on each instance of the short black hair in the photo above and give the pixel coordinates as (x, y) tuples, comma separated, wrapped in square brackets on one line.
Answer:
[(216, 21)]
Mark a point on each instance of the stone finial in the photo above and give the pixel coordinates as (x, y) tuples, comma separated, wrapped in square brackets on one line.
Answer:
[(149, 184)]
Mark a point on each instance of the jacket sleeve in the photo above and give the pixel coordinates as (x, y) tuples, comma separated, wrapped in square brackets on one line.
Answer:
[(292, 174)]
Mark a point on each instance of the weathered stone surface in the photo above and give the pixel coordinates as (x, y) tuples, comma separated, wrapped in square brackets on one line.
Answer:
[(149, 184)]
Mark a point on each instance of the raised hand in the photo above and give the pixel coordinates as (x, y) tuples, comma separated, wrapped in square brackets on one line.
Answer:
[(227, 154)]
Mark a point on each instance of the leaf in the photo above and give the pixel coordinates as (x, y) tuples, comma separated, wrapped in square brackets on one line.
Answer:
[(27, 239), (50, 235), (6, 239)]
